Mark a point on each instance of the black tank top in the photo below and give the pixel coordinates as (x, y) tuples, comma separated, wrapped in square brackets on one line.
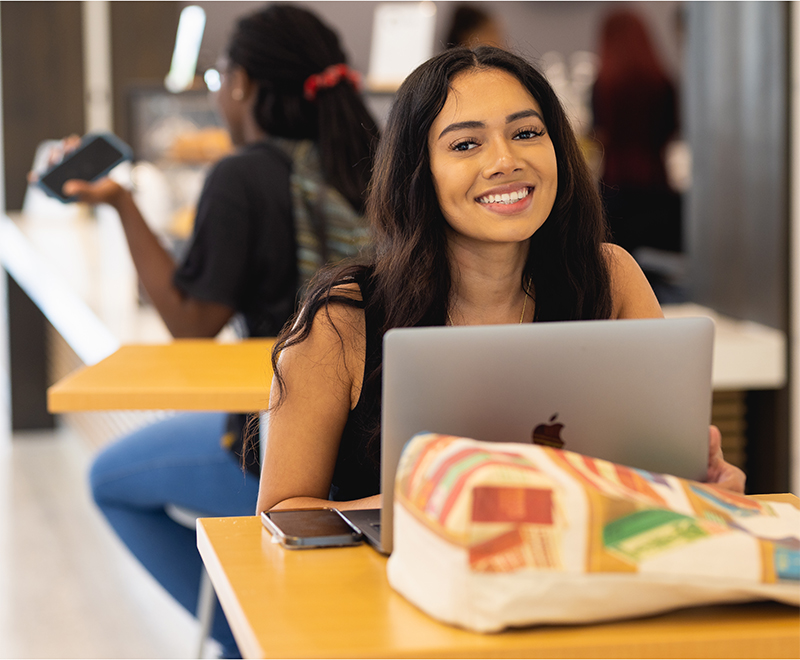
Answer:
[(358, 464)]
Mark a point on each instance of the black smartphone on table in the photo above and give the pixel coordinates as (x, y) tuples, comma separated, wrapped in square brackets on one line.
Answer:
[(311, 528), (96, 156)]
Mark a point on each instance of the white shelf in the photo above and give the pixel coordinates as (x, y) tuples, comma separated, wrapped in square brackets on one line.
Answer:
[(747, 355)]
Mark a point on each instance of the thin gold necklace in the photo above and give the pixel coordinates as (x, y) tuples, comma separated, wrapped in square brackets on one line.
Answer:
[(521, 316)]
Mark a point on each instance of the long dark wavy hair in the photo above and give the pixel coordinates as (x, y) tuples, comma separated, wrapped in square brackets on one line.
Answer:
[(566, 272), (279, 47)]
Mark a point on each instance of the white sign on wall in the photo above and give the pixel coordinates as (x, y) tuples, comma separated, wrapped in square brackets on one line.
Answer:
[(402, 39)]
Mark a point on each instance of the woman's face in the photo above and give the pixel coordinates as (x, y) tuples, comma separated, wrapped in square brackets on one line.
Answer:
[(492, 161)]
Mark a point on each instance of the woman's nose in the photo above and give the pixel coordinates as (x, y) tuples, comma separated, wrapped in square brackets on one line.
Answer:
[(501, 159)]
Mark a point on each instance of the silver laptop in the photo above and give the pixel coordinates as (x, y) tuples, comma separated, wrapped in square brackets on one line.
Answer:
[(636, 392)]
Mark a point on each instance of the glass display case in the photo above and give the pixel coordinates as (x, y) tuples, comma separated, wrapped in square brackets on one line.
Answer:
[(175, 139)]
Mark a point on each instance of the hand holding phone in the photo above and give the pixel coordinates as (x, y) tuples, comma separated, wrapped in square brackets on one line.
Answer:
[(95, 157), (311, 528)]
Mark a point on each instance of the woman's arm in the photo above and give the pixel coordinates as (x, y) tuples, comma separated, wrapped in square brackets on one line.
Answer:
[(632, 294), (322, 378), (183, 315)]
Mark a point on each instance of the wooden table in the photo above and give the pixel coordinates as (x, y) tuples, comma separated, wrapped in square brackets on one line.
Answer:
[(336, 602), (186, 374)]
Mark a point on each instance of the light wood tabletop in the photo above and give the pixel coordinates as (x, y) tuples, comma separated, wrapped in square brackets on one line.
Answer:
[(337, 602), (186, 374)]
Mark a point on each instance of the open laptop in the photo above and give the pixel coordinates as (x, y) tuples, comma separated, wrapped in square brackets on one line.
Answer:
[(635, 392)]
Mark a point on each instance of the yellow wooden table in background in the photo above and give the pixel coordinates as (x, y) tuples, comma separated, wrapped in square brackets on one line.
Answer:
[(186, 374), (337, 602)]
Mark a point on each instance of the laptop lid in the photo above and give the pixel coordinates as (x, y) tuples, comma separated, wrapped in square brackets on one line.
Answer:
[(635, 392)]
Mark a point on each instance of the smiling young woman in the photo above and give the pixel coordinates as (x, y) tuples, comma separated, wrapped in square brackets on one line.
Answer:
[(495, 174), (483, 211)]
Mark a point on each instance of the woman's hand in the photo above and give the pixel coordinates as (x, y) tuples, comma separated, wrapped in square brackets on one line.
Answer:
[(720, 472), (102, 191), (55, 154)]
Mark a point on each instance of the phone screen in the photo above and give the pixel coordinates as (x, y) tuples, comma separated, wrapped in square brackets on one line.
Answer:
[(86, 163), (311, 528), (310, 523)]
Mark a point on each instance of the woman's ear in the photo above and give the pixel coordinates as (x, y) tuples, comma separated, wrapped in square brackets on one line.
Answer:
[(241, 85)]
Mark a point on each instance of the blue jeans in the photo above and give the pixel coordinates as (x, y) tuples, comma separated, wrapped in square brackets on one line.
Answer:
[(177, 461)]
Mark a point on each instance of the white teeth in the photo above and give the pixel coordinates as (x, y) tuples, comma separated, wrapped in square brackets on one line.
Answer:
[(505, 198)]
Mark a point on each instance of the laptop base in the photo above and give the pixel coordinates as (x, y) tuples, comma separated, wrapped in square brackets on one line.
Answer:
[(369, 522)]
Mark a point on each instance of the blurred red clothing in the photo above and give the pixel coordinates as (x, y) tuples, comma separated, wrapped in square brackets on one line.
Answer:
[(634, 105)]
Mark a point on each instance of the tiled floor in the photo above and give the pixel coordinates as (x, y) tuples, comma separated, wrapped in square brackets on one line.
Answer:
[(68, 587)]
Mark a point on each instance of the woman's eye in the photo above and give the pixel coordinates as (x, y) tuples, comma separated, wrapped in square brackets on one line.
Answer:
[(528, 134), (463, 145)]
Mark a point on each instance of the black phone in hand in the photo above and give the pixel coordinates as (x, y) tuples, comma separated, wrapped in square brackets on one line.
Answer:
[(96, 156)]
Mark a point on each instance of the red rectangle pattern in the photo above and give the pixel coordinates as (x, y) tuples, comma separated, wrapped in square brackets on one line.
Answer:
[(512, 504)]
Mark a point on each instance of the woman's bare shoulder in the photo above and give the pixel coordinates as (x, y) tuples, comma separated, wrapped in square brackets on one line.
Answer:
[(632, 294), (619, 260), (343, 311), (336, 338)]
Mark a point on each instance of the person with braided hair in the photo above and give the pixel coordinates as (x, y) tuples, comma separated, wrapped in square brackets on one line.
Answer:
[(288, 201)]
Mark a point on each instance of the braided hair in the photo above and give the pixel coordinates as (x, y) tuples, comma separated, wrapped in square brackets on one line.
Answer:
[(279, 47)]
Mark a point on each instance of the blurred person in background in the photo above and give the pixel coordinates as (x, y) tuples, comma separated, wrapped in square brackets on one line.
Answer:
[(634, 103), (288, 201), (471, 26)]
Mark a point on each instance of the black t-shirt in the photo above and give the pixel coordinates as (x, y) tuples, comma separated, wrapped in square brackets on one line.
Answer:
[(242, 251), (357, 472), (243, 254)]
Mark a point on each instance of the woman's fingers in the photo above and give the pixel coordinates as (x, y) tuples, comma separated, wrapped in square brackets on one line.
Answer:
[(62, 149), (67, 146), (55, 155), (732, 478), (103, 191), (720, 472)]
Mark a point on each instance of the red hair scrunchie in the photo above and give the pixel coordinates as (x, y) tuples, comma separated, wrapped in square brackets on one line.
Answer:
[(330, 77)]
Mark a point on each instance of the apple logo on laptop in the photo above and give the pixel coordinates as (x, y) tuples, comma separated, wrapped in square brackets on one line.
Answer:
[(549, 435)]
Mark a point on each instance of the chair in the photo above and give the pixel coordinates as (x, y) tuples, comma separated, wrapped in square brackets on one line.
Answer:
[(207, 597)]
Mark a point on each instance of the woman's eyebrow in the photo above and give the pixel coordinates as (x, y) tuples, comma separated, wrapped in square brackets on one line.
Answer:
[(479, 124), (522, 114), (461, 125)]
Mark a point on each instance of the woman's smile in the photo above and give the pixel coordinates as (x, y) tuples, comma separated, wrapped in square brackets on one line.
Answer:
[(507, 202)]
